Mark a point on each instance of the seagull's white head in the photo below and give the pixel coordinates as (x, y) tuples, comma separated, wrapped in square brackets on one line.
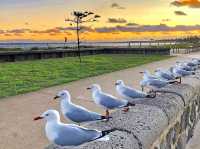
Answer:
[(94, 87), (119, 82), (50, 115), (63, 95)]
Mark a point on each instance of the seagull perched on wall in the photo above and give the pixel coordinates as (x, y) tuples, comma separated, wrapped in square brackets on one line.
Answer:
[(165, 75), (185, 66), (154, 84), (69, 134), (196, 60), (153, 81), (130, 93), (75, 112), (179, 72), (191, 64), (108, 101)]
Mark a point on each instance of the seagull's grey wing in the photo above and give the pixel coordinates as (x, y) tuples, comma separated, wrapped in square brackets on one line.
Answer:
[(80, 114), (111, 102), (72, 135), (183, 72), (133, 93), (167, 76), (157, 83)]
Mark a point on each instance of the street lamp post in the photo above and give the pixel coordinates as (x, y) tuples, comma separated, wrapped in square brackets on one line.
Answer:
[(79, 18)]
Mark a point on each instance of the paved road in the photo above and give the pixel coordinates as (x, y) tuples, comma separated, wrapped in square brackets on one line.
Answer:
[(17, 129)]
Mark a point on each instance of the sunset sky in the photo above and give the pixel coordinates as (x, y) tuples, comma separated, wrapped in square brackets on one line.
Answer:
[(43, 20)]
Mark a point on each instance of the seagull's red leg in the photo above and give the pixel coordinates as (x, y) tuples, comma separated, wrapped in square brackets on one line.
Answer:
[(107, 114)]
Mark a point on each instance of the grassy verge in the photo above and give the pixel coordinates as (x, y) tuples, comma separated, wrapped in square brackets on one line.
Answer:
[(21, 77)]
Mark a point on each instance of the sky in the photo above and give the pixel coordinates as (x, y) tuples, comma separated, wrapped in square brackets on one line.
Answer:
[(43, 20)]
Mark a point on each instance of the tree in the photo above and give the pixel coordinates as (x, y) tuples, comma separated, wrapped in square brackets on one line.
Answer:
[(80, 17)]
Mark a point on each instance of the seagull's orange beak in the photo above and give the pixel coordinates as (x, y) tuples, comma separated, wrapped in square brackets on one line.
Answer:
[(38, 118)]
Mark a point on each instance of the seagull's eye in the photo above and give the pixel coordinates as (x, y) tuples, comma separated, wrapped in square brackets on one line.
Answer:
[(47, 114)]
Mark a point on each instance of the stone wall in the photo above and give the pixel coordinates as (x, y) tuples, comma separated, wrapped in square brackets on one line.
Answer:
[(165, 122), (32, 55)]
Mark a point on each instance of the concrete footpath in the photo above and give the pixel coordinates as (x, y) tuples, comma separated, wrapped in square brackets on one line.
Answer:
[(17, 129)]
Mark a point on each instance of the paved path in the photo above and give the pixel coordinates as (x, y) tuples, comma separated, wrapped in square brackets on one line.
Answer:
[(17, 129)]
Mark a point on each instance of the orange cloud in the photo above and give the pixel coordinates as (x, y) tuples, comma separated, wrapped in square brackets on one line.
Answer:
[(189, 3)]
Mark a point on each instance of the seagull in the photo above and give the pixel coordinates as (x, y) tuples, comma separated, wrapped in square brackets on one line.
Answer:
[(165, 75), (196, 60), (69, 134), (155, 83), (108, 101), (178, 72), (191, 64), (75, 112), (185, 67), (130, 93)]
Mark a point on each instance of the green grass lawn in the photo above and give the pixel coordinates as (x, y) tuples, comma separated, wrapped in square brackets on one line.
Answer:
[(26, 76)]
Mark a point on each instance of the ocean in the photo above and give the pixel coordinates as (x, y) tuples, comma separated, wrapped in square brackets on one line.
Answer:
[(29, 45)]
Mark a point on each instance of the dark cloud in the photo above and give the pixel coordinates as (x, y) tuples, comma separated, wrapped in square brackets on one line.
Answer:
[(180, 13), (6, 34), (132, 24), (147, 28), (116, 20), (18, 31), (189, 3), (166, 20), (51, 31), (26, 23), (117, 6), (132, 28), (1, 31)]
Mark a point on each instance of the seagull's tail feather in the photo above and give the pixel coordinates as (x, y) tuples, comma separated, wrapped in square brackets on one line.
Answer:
[(106, 132), (104, 135), (151, 95), (172, 82), (105, 117), (130, 104)]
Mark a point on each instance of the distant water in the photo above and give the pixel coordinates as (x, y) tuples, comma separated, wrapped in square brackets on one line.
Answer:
[(61, 44)]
